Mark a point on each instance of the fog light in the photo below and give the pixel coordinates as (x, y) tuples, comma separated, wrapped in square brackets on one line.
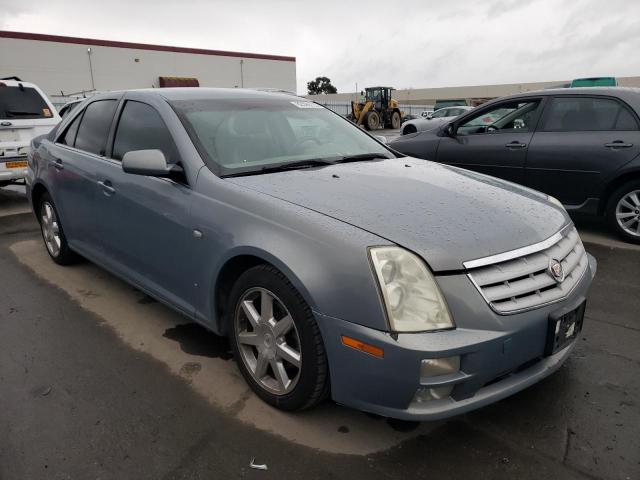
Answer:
[(434, 367), (425, 394)]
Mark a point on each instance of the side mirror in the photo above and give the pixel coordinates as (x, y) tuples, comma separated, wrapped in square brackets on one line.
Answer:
[(146, 162), (381, 138), (449, 130)]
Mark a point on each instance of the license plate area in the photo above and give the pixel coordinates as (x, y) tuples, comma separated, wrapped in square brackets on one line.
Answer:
[(16, 164), (563, 328)]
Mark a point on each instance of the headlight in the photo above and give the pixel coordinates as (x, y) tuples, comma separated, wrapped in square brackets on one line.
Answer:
[(555, 201), (411, 296)]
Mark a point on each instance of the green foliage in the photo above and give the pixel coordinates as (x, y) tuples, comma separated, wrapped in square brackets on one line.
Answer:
[(320, 85)]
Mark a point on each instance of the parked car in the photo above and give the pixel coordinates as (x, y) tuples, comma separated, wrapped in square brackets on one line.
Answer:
[(580, 145), (408, 117), (333, 266), (25, 112), (433, 120)]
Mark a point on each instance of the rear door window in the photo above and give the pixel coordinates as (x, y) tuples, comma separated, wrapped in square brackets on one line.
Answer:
[(141, 128), (94, 127), (69, 136), (22, 103), (581, 114)]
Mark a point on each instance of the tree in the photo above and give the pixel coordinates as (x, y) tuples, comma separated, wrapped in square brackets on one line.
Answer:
[(321, 85)]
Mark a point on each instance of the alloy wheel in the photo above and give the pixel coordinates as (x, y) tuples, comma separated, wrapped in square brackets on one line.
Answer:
[(628, 213), (268, 341), (50, 228)]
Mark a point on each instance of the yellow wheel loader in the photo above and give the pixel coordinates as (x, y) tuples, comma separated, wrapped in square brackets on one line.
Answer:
[(379, 110)]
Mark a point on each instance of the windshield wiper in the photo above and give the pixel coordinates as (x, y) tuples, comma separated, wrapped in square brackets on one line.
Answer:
[(361, 157), (314, 162)]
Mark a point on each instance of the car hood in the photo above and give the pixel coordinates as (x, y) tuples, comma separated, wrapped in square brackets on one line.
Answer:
[(445, 214)]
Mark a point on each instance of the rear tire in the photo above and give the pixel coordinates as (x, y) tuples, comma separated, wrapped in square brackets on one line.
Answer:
[(276, 341), (623, 211), (395, 120), (409, 129), (53, 234), (372, 121)]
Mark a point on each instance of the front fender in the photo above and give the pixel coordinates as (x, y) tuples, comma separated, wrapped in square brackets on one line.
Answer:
[(325, 259)]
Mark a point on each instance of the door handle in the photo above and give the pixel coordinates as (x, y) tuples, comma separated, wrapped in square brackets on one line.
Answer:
[(57, 164), (107, 188), (618, 144), (516, 144)]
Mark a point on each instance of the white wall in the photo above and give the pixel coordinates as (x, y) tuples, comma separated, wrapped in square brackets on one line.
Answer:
[(57, 66), (430, 95)]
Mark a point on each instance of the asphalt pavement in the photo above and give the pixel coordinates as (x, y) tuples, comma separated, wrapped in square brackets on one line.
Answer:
[(99, 381)]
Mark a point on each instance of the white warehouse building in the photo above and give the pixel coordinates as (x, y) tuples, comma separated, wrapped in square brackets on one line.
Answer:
[(69, 65)]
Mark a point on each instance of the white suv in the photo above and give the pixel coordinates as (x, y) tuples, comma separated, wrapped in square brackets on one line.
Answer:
[(25, 113)]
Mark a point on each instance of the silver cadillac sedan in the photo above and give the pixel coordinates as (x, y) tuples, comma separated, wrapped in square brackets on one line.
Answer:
[(335, 266)]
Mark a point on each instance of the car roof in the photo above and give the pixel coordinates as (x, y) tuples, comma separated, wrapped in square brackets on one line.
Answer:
[(630, 95), (205, 93), (16, 83)]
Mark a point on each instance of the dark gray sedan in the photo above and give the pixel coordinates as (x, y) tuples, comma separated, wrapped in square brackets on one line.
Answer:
[(581, 145), (397, 286)]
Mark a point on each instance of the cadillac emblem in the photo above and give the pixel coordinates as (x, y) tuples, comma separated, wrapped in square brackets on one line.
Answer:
[(556, 270)]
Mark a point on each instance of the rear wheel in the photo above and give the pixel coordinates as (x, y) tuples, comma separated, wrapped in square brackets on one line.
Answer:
[(623, 211), (395, 120), (276, 341), (372, 121), (53, 233), (409, 129)]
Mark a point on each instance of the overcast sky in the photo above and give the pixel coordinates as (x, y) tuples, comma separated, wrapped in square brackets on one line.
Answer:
[(407, 44)]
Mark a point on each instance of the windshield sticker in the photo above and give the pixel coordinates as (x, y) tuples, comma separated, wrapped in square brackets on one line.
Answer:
[(46, 112), (306, 105)]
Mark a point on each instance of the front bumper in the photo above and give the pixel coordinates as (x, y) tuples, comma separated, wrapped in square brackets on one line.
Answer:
[(495, 362)]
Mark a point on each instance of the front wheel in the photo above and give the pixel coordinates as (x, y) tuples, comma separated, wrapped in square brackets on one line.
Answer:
[(276, 341), (395, 120), (623, 211), (372, 120)]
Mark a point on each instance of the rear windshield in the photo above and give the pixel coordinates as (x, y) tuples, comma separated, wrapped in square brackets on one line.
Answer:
[(25, 103)]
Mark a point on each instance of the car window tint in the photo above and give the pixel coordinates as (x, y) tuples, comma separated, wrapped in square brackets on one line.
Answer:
[(22, 103), (69, 136), (626, 120), (141, 128), (578, 114), (517, 116), (94, 127), (439, 113)]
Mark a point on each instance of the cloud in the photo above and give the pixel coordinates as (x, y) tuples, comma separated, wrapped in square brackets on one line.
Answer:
[(414, 43)]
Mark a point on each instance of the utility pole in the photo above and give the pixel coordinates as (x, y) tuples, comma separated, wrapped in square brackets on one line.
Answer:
[(241, 73)]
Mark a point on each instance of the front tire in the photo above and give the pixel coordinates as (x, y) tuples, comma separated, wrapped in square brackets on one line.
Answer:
[(372, 121), (276, 341), (395, 120), (623, 211), (53, 233)]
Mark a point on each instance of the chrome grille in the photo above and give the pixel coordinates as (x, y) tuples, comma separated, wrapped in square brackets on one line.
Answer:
[(524, 282)]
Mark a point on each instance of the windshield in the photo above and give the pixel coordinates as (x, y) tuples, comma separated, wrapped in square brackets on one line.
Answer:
[(23, 103), (251, 135)]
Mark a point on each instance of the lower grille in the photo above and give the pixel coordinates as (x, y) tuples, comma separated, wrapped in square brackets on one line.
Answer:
[(528, 281)]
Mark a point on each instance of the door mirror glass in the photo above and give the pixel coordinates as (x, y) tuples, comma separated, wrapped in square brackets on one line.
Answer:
[(146, 162), (449, 130)]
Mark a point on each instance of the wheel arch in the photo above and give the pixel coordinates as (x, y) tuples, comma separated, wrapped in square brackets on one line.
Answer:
[(235, 264), (37, 191), (613, 185)]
